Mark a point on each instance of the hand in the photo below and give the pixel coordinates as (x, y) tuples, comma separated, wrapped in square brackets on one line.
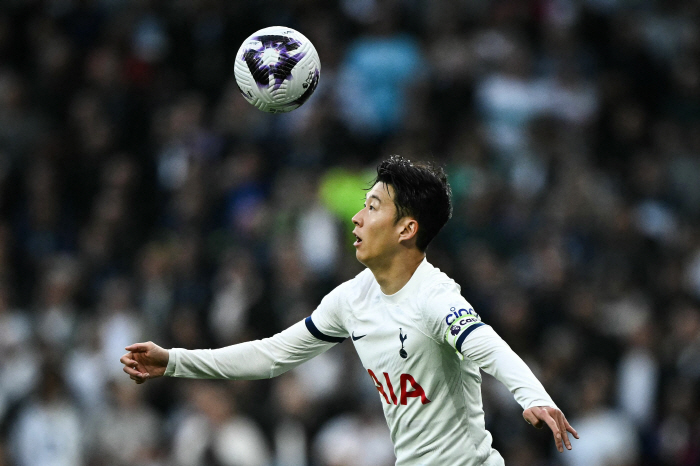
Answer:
[(539, 415), (145, 361)]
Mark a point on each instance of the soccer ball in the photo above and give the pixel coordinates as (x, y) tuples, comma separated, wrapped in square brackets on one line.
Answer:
[(277, 69)]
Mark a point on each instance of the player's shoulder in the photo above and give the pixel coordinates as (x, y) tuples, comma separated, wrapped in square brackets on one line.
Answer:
[(441, 296), (439, 301), (356, 286), (434, 281)]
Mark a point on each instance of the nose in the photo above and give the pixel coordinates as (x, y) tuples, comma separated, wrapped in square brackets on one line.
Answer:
[(356, 219)]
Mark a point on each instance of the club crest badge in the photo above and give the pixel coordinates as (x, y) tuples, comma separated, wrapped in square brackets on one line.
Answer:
[(402, 337)]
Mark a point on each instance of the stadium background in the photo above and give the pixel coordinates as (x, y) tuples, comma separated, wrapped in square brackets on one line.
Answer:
[(142, 198)]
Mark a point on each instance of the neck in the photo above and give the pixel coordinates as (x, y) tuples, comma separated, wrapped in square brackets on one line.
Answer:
[(393, 274)]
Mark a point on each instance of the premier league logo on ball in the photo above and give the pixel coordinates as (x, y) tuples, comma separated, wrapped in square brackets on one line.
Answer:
[(277, 69)]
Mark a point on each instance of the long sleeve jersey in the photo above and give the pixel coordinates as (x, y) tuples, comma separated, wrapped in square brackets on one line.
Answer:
[(422, 348)]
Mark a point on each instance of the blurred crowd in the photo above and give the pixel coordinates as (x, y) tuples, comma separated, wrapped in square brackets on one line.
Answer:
[(142, 198)]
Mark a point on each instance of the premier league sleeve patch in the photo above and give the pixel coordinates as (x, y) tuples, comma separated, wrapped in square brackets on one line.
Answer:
[(460, 323)]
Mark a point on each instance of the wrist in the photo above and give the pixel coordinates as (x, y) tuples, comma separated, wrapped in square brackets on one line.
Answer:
[(171, 365)]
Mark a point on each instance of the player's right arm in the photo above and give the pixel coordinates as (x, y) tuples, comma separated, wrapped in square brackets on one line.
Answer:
[(259, 359)]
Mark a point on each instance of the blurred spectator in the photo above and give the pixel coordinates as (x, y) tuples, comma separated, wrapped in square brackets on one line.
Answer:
[(118, 324), (376, 77), (510, 97), (48, 430), (607, 436), (238, 290), (638, 379), (85, 371), (19, 368), (677, 444), (20, 122), (293, 414), (212, 431), (57, 313), (155, 296), (126, 431), (318, 232), (355, 439)]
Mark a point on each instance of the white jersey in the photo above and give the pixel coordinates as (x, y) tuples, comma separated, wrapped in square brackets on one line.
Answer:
[(422, 348)]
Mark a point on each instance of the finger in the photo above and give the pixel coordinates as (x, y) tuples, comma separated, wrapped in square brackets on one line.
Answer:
[(127, 361), (565, 426), (555, 430), (532, 419), (138, 348), (133, 372), (569, 428), (562, 428), (138, 378)]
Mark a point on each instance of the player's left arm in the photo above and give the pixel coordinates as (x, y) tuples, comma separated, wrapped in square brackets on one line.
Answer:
[(452, 319), (488, 350)]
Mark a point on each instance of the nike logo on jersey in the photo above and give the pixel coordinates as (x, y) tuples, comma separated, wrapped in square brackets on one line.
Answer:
[(354, 338)]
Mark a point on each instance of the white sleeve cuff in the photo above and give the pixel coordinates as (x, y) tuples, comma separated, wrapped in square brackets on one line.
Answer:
[(172, 361)]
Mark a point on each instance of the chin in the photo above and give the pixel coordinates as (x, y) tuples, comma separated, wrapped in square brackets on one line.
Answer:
[(359, 258)]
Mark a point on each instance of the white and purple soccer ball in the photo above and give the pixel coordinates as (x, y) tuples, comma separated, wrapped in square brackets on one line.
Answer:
[(277, 69)]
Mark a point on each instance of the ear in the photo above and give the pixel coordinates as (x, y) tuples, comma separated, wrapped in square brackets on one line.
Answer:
[(408, 229)]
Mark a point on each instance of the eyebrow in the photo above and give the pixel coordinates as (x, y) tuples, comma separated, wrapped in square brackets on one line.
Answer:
[(375, 197)]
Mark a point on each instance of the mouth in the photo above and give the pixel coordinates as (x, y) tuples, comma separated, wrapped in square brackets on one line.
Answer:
[(358, 240)]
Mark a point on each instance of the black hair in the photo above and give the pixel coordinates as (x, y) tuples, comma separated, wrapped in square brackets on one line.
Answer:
[(421, 191)]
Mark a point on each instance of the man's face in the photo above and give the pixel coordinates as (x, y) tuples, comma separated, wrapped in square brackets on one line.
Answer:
[(375, 227)]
